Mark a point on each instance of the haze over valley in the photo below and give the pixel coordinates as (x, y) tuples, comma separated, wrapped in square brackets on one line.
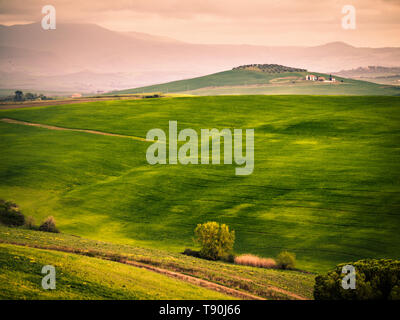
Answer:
[(90, 58)]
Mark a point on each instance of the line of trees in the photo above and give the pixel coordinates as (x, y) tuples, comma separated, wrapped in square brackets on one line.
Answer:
[(19, 96), (269, 68)]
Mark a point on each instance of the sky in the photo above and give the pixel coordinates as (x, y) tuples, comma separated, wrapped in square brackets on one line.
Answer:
[(258, 22)]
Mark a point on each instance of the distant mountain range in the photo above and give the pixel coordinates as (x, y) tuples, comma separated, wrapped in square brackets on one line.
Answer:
[(88, 58)]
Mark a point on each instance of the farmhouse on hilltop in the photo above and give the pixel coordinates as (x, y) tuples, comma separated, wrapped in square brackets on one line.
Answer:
[(311, 77)]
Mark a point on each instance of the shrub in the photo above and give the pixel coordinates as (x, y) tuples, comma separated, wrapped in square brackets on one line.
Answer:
[(375, 280), (255, 261), (192, 253), (49, 225), (10, 214), (216, 240), (230, 257), (30, 223), (286, 260)]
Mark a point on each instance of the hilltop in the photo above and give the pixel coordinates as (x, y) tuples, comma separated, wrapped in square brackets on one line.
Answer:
[(269, 68), (267, 79)]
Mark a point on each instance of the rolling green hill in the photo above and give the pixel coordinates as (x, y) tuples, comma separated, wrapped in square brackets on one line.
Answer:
[(325, 183), (252, 80)]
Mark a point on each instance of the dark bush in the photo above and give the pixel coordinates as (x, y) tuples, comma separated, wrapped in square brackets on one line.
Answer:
[(10, 214), (152, 96), (229, 258), (192, 253), (49, 225), (375, 280)]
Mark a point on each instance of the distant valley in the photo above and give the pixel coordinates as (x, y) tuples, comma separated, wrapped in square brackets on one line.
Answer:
[(90, 58)]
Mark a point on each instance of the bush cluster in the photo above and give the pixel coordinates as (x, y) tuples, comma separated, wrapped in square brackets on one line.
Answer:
[(216, 242), (10, 215), (375, 280)]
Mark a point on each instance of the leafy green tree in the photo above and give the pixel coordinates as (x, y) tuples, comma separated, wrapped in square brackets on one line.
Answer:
[(216, 240), (286, 260)]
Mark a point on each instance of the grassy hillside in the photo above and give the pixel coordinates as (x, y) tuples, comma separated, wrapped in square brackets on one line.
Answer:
[(325, 183), (80, 277), (247, 81), (255, 281)]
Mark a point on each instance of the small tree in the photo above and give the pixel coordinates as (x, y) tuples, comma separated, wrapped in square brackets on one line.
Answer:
[(286, 260), (19, 95), (30, 223), (49, 225), (216, 240)]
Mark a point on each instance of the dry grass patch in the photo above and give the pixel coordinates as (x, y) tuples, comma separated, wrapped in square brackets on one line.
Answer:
[(255, 261)]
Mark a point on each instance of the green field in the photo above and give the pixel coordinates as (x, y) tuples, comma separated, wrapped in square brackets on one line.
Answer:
[(325, 184), (256, 281), (240, 82), (81, 277)]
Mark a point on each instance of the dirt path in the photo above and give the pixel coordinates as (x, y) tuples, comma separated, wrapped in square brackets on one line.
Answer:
[(276, 289), (173, 274), (196, 281), (212, 285), (69, 129), (288, 293)]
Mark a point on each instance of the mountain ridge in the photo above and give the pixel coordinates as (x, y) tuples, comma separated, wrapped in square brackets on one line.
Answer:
[(72, 48)]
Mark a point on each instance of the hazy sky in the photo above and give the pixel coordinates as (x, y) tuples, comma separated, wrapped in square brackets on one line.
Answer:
[(262, 22)]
